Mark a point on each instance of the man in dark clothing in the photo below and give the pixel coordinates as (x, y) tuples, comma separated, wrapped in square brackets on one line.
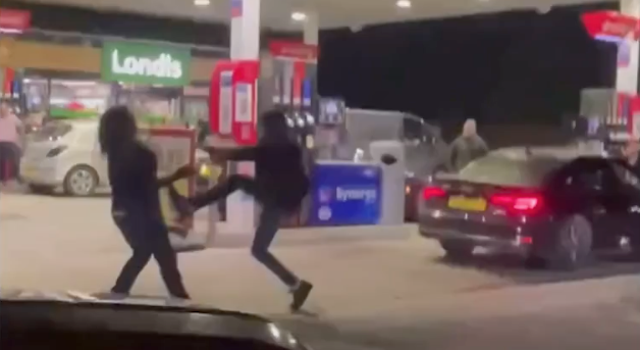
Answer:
[(467, 147), (279, 186), (135, 203)]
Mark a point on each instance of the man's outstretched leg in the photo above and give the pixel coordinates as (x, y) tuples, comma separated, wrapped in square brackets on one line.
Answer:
[(186, 206)]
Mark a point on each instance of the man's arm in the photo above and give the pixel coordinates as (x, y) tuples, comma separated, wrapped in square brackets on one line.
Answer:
[(168, 180), (234, 154), (148, 164)]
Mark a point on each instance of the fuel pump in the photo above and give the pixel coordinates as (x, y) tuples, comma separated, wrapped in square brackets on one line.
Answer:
[(290, 86)]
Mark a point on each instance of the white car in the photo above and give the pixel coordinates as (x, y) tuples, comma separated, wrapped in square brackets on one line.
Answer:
[(65, 154)]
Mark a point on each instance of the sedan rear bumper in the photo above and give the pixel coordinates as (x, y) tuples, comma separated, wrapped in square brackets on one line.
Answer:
[(519, 244)]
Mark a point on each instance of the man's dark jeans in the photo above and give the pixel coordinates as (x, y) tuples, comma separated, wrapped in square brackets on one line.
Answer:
[(267, 227), (147, 237)]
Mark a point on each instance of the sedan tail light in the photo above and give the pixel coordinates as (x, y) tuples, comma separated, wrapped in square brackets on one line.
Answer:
[(431, 192), (518, 203)]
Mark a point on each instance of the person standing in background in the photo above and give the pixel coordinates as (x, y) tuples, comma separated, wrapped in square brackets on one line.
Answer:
[(467, 147), (11, 131)]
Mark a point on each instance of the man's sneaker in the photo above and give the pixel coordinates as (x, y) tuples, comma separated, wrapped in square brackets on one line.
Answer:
[(300, 295)]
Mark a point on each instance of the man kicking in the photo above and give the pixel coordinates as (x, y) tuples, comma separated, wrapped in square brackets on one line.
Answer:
[(279, 186)]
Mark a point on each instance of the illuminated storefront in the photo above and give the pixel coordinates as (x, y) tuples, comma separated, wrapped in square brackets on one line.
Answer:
[(65, 81)]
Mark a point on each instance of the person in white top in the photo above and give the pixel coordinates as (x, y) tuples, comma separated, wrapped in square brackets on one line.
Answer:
[(10, 137)]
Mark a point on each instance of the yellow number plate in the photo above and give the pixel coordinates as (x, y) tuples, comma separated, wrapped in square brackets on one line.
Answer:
[(466, 203)]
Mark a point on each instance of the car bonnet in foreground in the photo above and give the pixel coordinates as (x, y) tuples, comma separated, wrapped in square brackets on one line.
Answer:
[(75, 311)]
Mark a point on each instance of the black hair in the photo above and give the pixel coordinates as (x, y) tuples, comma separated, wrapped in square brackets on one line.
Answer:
[(117, 130), (274, 124)]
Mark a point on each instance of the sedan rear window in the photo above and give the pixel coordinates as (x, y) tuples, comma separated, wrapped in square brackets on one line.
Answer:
[(504, 171), (52, 130)]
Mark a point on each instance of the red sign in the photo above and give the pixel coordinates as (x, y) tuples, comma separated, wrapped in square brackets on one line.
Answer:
[(7, 85), (233, 100), (14, 20), (611, 24), (624, 108), (221, 98), (299, 72), (634, 117), (236, 8), (293, 50), (245, 102)]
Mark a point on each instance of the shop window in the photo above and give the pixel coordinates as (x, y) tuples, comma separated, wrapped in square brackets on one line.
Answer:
[(77, 99), (151, 105), (196, 110), (36, 100), (36, 93)]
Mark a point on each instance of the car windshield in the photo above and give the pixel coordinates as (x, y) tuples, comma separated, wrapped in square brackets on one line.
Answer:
[(52, 131), (505, 171)]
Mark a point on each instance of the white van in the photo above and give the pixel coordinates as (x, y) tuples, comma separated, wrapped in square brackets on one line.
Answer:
[(65, 154)]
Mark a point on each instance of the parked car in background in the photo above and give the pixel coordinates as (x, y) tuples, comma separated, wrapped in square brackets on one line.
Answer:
[(553, 206), (65, 154), (412, 190)]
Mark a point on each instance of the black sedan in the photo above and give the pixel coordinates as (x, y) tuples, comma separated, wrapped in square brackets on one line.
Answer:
[(554, 207)]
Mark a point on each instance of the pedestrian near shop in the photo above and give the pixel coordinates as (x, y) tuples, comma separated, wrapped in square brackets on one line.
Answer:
[(11, 130), (279, 186), (135, 202)]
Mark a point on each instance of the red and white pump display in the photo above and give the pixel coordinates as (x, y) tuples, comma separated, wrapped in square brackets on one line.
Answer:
[(234, 100), (614, 27)]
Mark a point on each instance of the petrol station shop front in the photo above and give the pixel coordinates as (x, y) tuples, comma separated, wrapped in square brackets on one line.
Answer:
[(162, 83)]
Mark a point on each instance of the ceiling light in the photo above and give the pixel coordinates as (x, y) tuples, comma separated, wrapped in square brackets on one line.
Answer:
[(202, 2), (403, 4), (298, 16)]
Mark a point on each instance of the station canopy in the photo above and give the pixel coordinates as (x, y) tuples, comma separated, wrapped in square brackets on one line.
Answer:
[(277, 14)]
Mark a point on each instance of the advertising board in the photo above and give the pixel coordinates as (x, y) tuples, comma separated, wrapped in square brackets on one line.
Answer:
[(345, 194), (145, 64)]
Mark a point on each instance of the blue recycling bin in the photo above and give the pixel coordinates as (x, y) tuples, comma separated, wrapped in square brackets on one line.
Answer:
[(345, 193)]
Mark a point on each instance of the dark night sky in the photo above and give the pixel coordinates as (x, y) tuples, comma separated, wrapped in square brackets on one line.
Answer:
[(518, 66)]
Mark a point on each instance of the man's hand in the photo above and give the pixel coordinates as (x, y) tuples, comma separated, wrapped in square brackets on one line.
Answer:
[(184, 172)]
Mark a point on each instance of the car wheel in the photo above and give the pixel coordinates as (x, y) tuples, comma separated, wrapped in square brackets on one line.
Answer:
[(457, 250), (81, 181), (573, 241), (41, 189)]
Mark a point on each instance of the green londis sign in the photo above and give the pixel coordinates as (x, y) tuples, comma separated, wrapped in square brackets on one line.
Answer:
[(145, 64)]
